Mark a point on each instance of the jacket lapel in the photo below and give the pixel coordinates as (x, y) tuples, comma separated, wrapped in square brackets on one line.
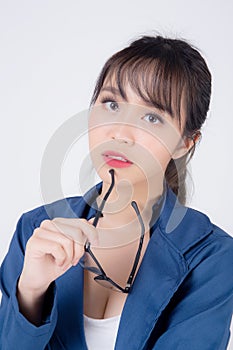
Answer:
[(70, 309), (163, 269), (160, 274)]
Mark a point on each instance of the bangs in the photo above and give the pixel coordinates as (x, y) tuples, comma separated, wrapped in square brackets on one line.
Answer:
[(159, 82)]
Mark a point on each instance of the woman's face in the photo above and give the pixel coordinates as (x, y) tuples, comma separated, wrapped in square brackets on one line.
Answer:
[(133, 137)]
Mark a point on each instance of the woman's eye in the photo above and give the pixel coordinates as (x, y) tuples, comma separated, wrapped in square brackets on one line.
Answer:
[(111, 105), (152, 118)]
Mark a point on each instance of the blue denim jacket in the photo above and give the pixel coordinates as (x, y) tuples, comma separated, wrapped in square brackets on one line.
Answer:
[(182, 297)]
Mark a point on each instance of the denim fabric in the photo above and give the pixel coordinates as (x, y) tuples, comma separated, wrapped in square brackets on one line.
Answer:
[(182, 297)]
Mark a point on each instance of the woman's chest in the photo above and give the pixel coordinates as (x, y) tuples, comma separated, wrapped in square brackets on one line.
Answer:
[(100, 302), (101, 299)]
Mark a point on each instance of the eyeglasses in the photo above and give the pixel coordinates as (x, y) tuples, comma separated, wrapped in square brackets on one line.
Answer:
[(101, 277)]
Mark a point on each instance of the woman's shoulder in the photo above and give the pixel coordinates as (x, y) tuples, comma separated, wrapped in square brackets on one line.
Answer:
[(70, 207), (207, 242), (193, 234), (79, 206), (207, 228), (200, 246), (65, 207)]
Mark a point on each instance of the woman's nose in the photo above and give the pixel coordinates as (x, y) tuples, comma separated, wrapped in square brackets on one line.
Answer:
[(122, 133), (123, 140)]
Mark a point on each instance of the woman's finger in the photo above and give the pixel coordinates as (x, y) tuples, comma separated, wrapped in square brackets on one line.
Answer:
[(79, 229), (38, 247), (78, 253)]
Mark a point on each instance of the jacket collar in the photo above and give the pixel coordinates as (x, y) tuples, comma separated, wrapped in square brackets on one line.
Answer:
[(181, 225)]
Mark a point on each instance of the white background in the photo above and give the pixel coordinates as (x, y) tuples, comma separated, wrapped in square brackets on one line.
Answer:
[(51, 53)]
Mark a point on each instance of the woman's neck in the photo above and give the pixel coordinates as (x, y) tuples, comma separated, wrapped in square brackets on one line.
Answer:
[(118, 211)]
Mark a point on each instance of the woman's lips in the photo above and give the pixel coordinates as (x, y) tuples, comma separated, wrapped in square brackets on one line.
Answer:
[(116, 160)]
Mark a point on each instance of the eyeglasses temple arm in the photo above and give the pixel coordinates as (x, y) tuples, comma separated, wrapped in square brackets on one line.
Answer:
[(131, 276), (88, 249), (87, 245), (99, 212)]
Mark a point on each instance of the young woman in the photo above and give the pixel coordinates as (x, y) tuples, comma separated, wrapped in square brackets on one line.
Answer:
[(133, 268)]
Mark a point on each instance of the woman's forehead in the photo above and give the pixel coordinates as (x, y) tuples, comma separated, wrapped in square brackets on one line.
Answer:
[(130, 96), (151, 86), (135, 95)]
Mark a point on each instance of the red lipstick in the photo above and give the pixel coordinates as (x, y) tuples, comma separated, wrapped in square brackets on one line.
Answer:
[(116, 160)]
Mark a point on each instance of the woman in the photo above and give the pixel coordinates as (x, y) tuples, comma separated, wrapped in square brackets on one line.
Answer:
[(167, 284)]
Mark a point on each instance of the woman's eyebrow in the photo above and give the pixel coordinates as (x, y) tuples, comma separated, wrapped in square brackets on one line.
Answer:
[(115, 91), (112, 89)]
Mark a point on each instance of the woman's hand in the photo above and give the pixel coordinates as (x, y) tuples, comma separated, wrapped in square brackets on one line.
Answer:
[(53, 248)]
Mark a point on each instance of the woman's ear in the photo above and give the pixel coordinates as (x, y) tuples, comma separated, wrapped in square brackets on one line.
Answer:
[(186, 144)]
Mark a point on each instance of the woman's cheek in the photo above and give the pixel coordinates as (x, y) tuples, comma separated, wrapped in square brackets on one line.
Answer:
[(156, 151)]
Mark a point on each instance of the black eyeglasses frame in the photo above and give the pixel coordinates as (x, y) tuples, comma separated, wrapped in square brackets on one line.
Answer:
[(101, 275)]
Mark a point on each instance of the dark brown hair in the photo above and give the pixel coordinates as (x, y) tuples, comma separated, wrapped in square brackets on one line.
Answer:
[(169, 73)]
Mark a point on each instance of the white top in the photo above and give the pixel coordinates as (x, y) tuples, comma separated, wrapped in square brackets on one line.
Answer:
[(101, 334)]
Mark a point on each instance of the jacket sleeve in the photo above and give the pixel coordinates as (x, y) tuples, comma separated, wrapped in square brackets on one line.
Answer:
[(201, 310), (15, 330)]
